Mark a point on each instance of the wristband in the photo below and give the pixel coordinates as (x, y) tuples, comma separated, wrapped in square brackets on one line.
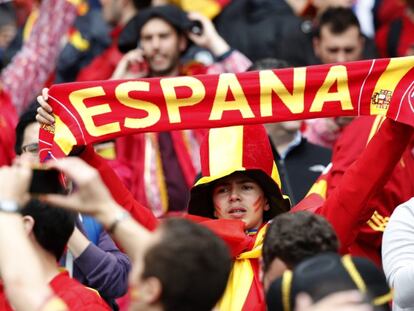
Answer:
[(9, 206)]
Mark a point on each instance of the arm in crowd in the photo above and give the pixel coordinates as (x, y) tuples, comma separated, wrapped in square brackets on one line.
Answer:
[(93, 198), (346, 207), (20, 268), (103, 266), (30, 68), (398, 254), (118, 191), (228, 60)]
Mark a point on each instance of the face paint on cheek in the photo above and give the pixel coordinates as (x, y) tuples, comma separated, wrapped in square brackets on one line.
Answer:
[(219, 211), (258, 204)]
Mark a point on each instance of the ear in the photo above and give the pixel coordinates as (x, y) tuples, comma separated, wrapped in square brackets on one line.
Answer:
[(28, 224), (182, 42), (150, 290), (267, 205)]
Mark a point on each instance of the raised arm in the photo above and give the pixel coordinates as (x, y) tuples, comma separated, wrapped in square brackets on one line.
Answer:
[(32, 65), (346, 207)]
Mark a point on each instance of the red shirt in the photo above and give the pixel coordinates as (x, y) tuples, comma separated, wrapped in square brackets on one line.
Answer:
[(8, 122), (74, 294)]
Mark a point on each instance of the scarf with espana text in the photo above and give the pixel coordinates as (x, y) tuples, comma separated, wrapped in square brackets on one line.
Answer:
[(90, 112)]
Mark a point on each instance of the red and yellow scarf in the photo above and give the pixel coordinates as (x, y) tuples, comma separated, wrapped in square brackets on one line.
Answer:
[(96, 111)]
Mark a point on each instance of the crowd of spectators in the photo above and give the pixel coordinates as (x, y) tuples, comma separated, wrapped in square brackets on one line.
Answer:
[(203, 219)]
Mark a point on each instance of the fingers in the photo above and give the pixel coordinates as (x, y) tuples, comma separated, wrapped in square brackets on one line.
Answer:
[(44, 112), (14, 182), (76, 169), (69, 202)]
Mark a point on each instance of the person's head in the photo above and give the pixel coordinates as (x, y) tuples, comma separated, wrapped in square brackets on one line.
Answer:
[(185, 269), (338, 37), (239, 177), (162, 38), (329, 273), (322, 5), (50, 227), (277, 129), (117, 12), (27, 135), (292, 238)]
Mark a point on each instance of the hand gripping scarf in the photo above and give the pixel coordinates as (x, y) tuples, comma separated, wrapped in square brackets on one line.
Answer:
[(95, 111)]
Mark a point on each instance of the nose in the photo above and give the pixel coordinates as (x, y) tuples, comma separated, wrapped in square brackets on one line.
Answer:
[(341, 56), (234, 194), (155, 43)]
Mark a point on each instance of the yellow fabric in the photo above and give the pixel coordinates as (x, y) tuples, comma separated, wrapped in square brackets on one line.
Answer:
[(27, 30), (209, 8), (353, 273), (286, 289), (226, 151), (378, 301), (377, 222), (64, 138), (241, 277), (396, 70), (78, 41)]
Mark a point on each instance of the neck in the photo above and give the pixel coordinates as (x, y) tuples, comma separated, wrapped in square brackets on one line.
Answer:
[(48, 263), (282, 139), (172, 73)]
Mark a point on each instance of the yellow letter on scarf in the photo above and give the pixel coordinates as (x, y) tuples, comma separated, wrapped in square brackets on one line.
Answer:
[(87, 113), (270, 82), (339, 75), (122, 94), (228, 82), (169, 86)]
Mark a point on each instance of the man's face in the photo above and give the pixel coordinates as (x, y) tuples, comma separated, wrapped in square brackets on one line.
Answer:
[(343, 47), (30, 143), (276, 269), (162, 47), (112, 11), (240, 197)]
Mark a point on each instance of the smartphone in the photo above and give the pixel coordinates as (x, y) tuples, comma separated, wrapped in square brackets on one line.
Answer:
[(196, 27), (46, 181)]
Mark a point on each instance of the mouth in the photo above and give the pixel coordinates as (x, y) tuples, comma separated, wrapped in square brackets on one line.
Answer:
[(237, 212)]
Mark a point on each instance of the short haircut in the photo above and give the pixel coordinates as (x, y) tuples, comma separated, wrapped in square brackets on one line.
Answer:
[(52, 226), (192, 264), (27, 118), (338, 20), (293, 237), (141, 4), (269, 63)]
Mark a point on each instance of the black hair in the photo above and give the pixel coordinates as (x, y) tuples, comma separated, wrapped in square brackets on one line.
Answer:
[(52, 226), (269, 63), (192, 264), (141, 4), (27, 118), (338, 20), (293, 237)]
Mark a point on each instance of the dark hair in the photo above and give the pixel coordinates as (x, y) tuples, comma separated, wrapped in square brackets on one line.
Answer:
[(293, 237), (52, 226), (269, 63), (328, 273), (141, 4), (27, 118), (192, 264), (338, 20)]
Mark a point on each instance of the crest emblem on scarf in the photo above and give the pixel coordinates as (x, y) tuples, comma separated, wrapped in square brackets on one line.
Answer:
[(382, 99)]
